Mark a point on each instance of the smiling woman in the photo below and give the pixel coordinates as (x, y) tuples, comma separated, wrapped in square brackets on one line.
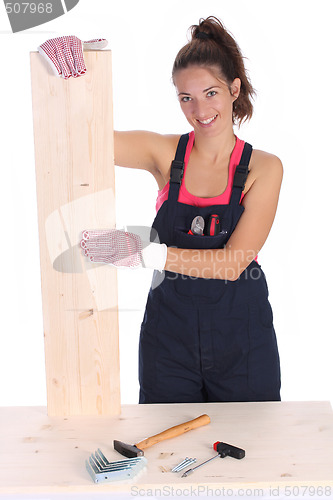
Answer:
[(207, 333)]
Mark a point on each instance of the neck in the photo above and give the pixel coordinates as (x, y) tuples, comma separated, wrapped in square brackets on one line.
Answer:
[(215, 147)]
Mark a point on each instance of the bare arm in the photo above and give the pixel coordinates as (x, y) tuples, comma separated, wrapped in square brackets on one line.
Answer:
[(260, 203)]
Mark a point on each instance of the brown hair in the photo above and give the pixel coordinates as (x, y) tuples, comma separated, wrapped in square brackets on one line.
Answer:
[(212, 45)]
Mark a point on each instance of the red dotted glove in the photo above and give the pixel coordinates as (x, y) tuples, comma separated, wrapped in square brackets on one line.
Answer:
[(65, 54), (122, 249)]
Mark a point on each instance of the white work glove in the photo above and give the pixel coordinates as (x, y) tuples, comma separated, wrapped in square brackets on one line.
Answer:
[(65, 54), (122, 249)]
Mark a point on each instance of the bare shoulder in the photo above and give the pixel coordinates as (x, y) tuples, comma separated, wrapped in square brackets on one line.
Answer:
[(264, 166), (263, 162), (166, 143), (143, 149), (164, 154), (165, 149)]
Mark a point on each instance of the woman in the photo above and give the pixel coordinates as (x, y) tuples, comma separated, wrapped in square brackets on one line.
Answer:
[(207, 332)]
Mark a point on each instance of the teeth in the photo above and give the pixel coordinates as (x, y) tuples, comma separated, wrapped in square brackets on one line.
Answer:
[(209, 120)]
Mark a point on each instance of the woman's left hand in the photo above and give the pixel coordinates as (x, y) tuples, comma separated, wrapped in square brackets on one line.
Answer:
[(122, 249)]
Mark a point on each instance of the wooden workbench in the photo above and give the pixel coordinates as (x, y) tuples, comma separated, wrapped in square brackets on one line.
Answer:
[(288, 445)]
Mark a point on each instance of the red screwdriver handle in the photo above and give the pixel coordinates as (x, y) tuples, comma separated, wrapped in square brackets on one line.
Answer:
[(213, 225), (228, 450)]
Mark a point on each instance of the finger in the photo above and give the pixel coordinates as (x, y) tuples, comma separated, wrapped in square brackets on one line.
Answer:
[(98, 247), (62, 50), (85, 234), (77, 54), (68, 54), (47, 51), (101, 234)]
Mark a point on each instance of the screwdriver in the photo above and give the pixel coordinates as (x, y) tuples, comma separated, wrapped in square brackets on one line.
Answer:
[(213, 227), (223, 450)]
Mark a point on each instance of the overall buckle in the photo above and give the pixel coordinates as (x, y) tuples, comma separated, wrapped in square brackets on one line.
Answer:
[(177, 171), (240, 176)]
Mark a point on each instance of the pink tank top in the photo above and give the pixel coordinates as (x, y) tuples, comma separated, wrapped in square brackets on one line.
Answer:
[(190, 199)]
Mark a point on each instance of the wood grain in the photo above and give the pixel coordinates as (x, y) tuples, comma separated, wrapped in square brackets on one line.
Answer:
[(73, 130)]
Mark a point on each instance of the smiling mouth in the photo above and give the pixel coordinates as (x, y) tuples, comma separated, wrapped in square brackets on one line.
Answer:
[(208, 121)]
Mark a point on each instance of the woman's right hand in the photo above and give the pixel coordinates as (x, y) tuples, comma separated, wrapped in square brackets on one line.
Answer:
[(65, 54)]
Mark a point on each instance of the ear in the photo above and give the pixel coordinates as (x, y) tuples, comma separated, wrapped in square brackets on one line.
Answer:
[(235, 88)]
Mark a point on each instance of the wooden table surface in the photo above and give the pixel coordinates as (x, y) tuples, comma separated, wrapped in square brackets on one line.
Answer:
[(287, 444)]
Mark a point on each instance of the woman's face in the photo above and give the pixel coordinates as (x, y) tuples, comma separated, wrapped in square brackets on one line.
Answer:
[(205, 99)]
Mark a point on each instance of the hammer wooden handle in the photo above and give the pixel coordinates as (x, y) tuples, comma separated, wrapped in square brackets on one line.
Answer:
[(177, 430)]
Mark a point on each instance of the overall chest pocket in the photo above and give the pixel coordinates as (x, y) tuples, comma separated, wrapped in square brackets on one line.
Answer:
[(227, 217)]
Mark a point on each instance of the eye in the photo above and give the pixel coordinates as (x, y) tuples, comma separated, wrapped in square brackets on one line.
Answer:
[(186, 98), (211, 93)]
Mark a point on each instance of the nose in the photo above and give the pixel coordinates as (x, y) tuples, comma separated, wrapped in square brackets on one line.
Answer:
[(201, 110)]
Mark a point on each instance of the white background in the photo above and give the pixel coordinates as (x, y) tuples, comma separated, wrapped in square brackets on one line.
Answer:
[(288, 46)]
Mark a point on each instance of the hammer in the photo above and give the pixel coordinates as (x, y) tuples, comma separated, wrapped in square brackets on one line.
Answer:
[(136, 450)]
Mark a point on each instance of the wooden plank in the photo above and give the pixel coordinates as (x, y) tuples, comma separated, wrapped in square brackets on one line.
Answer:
[(288, 445), (73, 129)]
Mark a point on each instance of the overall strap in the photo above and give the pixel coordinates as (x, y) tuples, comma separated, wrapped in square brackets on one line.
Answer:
[(177, 169), (241, 174)]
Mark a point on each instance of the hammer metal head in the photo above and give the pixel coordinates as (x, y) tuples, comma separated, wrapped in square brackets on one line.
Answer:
[(128, 450)]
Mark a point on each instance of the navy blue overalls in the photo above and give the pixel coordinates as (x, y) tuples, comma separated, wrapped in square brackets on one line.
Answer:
[(205, 340)]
